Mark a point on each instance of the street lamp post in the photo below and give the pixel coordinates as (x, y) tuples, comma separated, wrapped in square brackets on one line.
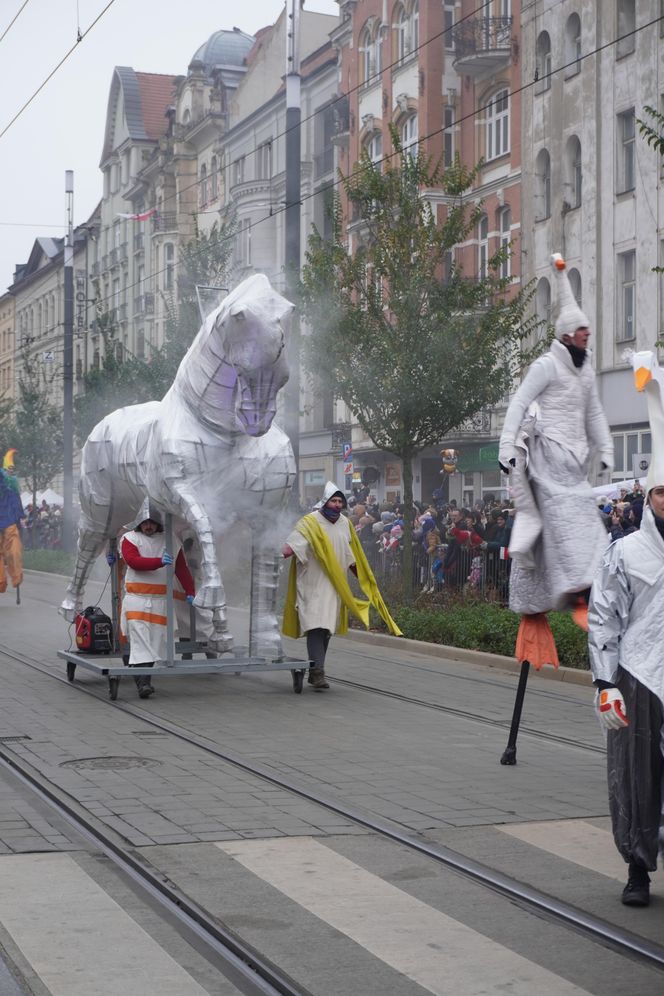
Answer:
[(68, 370)]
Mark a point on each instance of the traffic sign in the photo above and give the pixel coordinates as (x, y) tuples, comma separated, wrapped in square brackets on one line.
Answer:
[(348, 453), (348, 468)]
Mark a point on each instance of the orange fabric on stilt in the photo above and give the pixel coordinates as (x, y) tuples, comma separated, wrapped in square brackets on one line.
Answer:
[(11, 557), (535, 643), (580, 614)]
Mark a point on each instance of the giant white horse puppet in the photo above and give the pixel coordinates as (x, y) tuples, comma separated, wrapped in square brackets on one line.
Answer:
[(208, 453)]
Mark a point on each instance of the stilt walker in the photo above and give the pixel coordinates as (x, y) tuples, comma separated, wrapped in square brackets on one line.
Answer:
[(11, 513), (555, 426)]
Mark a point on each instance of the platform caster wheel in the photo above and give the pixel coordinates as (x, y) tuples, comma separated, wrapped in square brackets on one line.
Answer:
[(113, 688), (298, 681), (71, 670)]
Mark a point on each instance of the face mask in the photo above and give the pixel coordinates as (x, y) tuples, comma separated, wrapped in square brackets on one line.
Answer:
[(331, 514)]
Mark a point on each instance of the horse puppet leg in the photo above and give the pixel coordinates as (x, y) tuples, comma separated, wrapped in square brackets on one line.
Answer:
[(91, 543), (264, 636), (211, 593)]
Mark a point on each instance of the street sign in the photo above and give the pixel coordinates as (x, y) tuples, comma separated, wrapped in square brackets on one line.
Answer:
[(348, 453), (348, 468)]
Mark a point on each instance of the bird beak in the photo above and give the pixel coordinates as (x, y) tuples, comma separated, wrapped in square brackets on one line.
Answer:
[(642, 376)]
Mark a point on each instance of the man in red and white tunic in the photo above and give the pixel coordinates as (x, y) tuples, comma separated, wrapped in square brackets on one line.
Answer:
[(144, 605)]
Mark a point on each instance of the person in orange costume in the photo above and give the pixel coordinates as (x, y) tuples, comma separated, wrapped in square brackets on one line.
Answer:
[(11, 514)]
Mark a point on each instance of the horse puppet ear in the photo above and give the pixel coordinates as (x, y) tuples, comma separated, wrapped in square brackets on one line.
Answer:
[(238, 313)]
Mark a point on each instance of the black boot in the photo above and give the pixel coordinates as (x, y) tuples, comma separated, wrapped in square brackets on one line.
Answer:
[(317, 679), (637, 890), (144, 685)]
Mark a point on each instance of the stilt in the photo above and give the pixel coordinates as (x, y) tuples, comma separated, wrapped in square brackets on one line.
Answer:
[(509, 754), (18, 594)]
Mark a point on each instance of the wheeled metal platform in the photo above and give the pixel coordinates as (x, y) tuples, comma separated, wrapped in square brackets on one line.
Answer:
[(114, 669), (114, 664)]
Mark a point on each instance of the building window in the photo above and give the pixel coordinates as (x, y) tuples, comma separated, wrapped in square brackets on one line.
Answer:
[(203, 191), (448, 136), (626, 318), (483, 248), (626, 445), (625, 151), (238, 170), (264, 161), (374, 149), (574, 278), (505, 229), (214, 179), (448, 24), (572, 49), (542, 189), (415, 27), (366, 55), (140, 344), (543, 62), (401, 34), (573, 170), (244, 243), (497, 124), (626, 26), (543, 305), (409, 135), (169, 266)]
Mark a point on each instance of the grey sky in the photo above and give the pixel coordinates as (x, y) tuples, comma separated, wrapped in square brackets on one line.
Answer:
[(64, 125)]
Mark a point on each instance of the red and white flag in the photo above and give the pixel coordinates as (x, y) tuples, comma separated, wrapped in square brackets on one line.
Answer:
[(138, 217)]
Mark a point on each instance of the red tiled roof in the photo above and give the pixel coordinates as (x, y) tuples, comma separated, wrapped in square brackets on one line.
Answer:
[(157, 93)]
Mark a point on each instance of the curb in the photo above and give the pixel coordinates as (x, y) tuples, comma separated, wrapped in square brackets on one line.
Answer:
[(571, 675)]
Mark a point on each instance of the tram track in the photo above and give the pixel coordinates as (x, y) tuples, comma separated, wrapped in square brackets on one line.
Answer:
[(473, 716), (600, 931)]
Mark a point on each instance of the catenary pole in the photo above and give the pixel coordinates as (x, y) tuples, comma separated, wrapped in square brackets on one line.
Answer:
[(68, 370), (292, 224)]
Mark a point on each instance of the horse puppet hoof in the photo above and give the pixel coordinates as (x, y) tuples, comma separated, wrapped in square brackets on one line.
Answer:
[(222, 643), (69, 610)]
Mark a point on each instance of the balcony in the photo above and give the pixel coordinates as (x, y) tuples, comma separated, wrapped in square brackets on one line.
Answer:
[(144, 304), (164, 222), (483, 46), (324, 163)]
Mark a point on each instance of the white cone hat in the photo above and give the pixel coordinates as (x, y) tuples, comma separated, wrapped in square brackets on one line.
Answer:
[(570, 317), (650, 378)]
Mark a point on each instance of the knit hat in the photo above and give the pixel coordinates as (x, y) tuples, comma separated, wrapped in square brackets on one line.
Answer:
[(570, 317), (650, 378)]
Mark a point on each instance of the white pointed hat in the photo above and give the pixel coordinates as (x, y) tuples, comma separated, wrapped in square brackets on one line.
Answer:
[(330, 490), (649, 377), (570, 317)]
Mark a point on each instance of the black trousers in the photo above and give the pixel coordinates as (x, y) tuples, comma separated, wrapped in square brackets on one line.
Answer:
[(635, 769), (317, 643)]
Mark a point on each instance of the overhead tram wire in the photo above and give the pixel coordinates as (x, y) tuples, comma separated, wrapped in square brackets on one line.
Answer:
[(424, 138), (14, 18), (79, 38)]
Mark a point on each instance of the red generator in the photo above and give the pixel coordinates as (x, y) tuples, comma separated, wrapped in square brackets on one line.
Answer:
[(94, 631)]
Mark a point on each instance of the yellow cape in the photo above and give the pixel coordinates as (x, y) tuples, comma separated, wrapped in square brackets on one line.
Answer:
[(324, 553)]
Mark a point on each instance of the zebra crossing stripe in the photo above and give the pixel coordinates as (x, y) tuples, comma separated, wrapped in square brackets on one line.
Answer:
[(574, 840), (79, 941), (427, 946)]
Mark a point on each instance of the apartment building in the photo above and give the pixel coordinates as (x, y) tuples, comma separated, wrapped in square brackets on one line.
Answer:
[(7, 347), (446, 75), (592, 186)]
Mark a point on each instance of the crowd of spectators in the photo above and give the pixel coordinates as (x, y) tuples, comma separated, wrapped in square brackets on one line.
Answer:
[(453, 548), (462, 549), (42, 527)]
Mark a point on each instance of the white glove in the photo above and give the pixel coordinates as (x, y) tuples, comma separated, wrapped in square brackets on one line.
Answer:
[(610, 708)]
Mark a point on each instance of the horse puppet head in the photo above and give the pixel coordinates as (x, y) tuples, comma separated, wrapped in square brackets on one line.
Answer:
[(237, 363)]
